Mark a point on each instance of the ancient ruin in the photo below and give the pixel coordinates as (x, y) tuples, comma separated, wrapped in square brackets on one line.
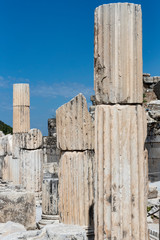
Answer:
[(89, 176)]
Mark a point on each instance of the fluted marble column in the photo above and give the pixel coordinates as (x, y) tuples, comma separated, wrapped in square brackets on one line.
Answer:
[(21, 108), (118, 53), (120, 125)]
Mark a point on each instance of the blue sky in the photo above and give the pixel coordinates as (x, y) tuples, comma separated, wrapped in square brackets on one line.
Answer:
[(49, 44)]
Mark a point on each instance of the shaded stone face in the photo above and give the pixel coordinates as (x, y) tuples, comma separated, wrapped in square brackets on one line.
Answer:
[(50, 196), (51, 126), (118, 53)]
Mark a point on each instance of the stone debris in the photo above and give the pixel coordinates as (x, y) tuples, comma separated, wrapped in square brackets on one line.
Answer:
[(152, 193), (75, 128), (118, 53), (49, 232), (9, 228), (153, 231), (17, 205)]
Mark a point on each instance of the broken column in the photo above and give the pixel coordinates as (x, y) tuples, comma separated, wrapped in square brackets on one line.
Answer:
[(21, 108), (75, 139), (120, 124), (27, 143)]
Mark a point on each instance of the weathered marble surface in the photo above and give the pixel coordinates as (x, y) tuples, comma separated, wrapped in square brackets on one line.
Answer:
[(121, 172), (17, 205), (76, 188), (75, 127), (118, 53), (21, 108)]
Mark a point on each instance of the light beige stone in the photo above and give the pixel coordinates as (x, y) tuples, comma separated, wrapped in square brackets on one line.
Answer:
[(6, 145), (118, 53), (21, 119), (21, 108), (31, 140), (75, 128), (11, 169), (76, 188), (17, 205), (120, 176)]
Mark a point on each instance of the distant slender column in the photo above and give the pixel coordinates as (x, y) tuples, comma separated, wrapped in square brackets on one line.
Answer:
[(21, 108)]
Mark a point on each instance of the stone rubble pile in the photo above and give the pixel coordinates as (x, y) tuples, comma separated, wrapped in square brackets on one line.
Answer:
[(14, 231)]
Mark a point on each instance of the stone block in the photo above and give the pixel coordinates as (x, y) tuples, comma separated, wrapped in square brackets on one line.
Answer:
[(50, 151), (75, 127), (17, 205), (118, 53), (152, 193), (31, 140), (11, 169), (50, 168), (157, 89), (21, 94), (6, 145), (121, 172), (148, 80), (21, 119), (76, 188)]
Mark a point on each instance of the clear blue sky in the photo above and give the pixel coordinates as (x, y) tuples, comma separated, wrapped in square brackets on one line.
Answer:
[(49, 44)]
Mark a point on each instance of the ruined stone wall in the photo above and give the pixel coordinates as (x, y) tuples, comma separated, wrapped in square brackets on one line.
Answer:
[(75, 139), (151, 102)]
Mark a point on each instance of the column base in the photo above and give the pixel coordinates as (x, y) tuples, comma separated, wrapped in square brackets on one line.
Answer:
[(48, 219)]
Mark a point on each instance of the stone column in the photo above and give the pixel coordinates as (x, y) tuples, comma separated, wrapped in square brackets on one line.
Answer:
[(120, 130), (21, 108), (75, 139), (118, 53)]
